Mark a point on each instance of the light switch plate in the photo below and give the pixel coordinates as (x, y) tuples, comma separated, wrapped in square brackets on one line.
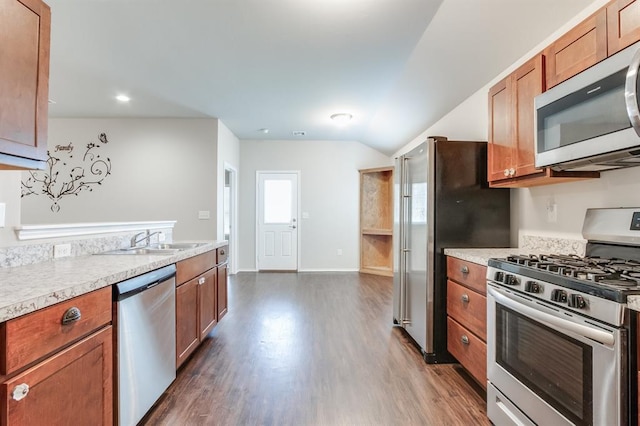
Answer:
[(305, 215), (204, 214), (2, 210)]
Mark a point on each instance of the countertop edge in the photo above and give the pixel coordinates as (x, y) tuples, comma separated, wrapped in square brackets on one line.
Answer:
[(20, 292)]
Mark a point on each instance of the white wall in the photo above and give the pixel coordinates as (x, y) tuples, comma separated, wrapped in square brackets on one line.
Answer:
[(228, 155), (469, 120), (162, 169), (10, 196), (329, 187)]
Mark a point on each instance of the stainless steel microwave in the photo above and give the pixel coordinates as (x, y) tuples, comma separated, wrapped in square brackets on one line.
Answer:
[(591, 121)]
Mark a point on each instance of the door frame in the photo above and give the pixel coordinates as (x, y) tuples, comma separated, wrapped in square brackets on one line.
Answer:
[(233, 215), (257, 220)]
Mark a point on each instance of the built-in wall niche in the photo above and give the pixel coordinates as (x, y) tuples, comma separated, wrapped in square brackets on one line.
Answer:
[(71, 169)]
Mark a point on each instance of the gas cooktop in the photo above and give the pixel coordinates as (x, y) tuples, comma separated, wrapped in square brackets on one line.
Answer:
[(612, 279)]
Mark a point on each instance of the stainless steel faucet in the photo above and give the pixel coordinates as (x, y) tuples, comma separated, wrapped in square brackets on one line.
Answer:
[(146, 236)]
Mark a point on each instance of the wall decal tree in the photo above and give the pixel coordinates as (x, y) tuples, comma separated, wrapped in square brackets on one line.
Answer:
[(50, 182)]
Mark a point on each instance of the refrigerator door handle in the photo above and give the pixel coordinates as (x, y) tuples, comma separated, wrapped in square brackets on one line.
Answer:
[(403, 238)]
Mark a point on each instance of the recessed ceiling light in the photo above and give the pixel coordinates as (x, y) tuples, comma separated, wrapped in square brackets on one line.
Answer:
[(123, 98), (299, 133), (341, 117), (264, 130)]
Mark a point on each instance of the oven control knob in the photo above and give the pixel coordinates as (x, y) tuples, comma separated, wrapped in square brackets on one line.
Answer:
[(577, 301), (532, 287), (499, 276), (559, 296), (511, 280)]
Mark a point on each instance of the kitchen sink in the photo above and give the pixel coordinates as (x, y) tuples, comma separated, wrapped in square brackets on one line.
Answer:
[(142, 250), (175, 246), (162, 248)]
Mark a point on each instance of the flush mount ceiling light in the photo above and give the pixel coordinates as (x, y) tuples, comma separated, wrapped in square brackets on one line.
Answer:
[(264, 130), (341, 118), (123, 98)]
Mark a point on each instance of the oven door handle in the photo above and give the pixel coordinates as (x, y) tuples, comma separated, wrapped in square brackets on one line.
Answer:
[(551, 320)]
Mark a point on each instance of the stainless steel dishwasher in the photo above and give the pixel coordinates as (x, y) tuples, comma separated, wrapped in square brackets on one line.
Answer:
[(146, 346)]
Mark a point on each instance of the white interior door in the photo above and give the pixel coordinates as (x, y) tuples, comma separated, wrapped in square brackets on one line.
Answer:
[(277, 221)]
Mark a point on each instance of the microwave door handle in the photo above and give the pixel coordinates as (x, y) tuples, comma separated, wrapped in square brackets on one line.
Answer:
[(553, 321), (631, 92)]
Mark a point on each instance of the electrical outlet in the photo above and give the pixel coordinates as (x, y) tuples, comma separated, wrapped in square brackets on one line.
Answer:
[(204, 214), (339, 252), (61, 250)]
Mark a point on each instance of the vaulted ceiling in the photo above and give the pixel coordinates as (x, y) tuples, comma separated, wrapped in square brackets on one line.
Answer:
[(286, 65)]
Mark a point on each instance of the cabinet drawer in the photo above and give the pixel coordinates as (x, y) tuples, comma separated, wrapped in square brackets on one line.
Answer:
[(468, 308), (470, 274), (30, 337), (470, 351), (194, 266), (223, 254)]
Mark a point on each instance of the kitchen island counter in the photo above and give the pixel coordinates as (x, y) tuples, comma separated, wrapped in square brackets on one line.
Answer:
[(25, 289)]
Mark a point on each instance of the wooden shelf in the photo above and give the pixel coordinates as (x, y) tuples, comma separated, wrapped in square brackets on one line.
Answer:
[(376, 221), (377, 231)]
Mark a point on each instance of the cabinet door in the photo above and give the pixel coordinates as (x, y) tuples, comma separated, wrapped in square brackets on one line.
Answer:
[(187, 331), (527, 83), (500, 148), (583, 46), (74, 386), (623, 24), (222, 291), (207, 303), (24, 86)]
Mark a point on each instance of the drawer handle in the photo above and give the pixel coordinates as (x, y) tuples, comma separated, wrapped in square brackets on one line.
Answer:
[(20, 391), (201, 280), (73, 314), (464, 298), (464, 339), (464, 269)]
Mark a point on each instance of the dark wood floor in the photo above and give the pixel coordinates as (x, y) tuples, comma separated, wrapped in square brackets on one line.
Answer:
[(314, 349)]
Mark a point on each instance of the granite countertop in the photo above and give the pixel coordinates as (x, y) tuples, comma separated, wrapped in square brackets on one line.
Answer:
[(25, 289), (482, 255)]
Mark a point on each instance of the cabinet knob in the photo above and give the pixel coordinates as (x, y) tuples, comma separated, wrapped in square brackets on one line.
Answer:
[(512, 172), (464, 298), (72, 314), (464, 269), (464, 339), (20, 391), (221, 252), (506, 172), (201, 280)]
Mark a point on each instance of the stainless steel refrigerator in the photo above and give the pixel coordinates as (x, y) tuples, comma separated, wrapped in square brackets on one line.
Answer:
[(442, 199)]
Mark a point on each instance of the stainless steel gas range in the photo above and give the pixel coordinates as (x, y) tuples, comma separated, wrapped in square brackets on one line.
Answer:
[(560, 339)]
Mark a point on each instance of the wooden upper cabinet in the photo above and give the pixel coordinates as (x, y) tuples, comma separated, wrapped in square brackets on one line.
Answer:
[(527, 83), (500, 149), (511, 127), (25, 27), (583, 46), (623, 24)]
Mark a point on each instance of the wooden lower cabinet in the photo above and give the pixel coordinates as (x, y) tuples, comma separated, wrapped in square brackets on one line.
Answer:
[(187, 331), (207, 287), (222, 300), (467, 316), (72, 387), (201, 299)]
